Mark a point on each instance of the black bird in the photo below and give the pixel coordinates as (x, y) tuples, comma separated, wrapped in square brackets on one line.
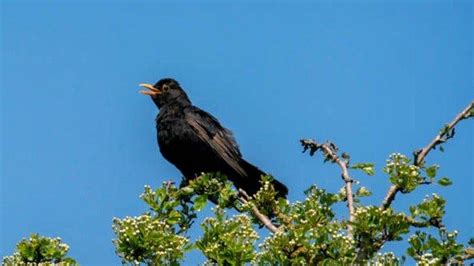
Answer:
[(195, 142)]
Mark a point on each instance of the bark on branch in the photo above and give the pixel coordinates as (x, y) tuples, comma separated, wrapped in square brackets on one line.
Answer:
[(446, 133), (330, 153), (244, 198)]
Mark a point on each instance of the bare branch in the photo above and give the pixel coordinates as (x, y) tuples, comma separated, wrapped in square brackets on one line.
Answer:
[(330, 152), (468, 255), (443, 135), (244, 198), (348, 182), (446, 133), (392, 191)]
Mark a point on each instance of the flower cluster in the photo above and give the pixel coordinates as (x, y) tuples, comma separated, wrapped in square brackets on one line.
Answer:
[(430, 210), (309, 235), (228, 241), (319, 245), (264, 199), (214, 186), (373, 227), (402, 173), (428, 259), (145, 239), (428, 250), (388, 258), (40, 250)]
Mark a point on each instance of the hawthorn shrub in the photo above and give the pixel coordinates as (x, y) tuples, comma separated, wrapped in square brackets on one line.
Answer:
[(303, 232)]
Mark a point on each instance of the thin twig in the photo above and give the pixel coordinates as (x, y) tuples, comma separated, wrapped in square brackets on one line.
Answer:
[(468, 255), (446, 133), (244, 197), (330, 152), (392, 191), (347, 180), (440, 138)]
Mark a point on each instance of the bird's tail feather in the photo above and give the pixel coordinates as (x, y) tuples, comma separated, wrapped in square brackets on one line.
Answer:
[(251, 183), (280, 188)]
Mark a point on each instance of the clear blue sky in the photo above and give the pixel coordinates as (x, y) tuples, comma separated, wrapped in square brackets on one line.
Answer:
[(78, 141)]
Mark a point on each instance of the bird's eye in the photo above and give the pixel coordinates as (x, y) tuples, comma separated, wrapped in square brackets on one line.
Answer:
[(165, 88)]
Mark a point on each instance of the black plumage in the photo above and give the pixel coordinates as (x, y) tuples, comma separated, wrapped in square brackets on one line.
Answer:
[(195, 142)]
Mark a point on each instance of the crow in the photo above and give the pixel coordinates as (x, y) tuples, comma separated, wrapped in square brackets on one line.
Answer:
[(195, 142)]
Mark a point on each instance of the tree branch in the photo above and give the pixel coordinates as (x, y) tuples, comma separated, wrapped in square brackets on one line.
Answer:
[(446, 133), (330, 152), (468, 255), (244, 198)]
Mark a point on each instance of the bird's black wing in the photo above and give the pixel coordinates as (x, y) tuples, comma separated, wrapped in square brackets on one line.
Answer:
[(219, 139)]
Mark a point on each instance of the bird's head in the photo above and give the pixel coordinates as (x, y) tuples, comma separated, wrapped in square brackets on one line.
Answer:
[(165, 91)]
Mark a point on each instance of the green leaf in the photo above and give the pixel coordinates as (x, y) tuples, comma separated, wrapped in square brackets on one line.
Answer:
[(414, 211), (70, 261), (200, 202), (368, 168), (471, 242), (445, 182), (160, 195), (187, 190), (431, 171), (282, 203), (363, 192), (416, 243), (173, 217)]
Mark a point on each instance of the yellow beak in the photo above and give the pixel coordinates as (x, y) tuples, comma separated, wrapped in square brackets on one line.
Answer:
[(152, 90)]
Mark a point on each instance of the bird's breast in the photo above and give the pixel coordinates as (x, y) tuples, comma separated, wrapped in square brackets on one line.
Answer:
[(174, 134)]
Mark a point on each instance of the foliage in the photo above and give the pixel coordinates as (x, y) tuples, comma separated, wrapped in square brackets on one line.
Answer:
[(386, 259), (153, 238), (402, 173), (39, 250), (373, 227), (227, 241), (148, 240), (427, 250), (368, 168), (159, 236), (307, 232)]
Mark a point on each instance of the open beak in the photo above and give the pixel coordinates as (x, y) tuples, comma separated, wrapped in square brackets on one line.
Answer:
[(152, 90)]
